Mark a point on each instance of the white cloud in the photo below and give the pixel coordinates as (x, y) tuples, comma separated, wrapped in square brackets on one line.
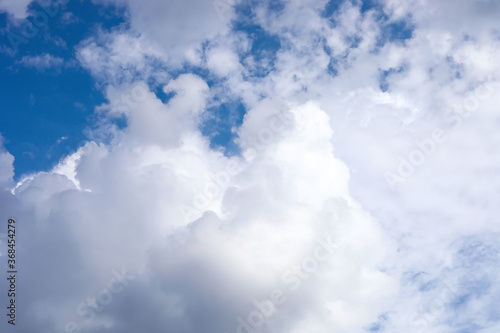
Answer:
[(17, 8), (136, 187), (222, 61), (6, 166), (175, 25), (399, 253), (120, 57), (168, 32), (42, 62)]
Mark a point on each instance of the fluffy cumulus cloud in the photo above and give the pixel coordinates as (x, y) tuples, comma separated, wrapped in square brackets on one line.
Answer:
[(363, 196)]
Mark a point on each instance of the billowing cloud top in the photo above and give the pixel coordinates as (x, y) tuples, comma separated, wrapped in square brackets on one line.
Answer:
[(358, 191)]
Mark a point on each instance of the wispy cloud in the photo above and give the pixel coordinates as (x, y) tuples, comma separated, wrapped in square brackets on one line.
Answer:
[(42, 62), (333, 94)]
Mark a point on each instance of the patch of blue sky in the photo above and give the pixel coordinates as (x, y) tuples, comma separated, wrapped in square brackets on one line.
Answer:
[(3, 28), (333, 6), (226, 113), (38, 109), (393, 32), (464, 322), (399, 31), (265, 47), (163, 96), (333, 69), (336, 63), (479, 287), (384, 76), (494, 311), (468, 328), (97, 121), (244, 8), (46, 109), (479, 250), (475, 259), (396, 32), (62, 27), (456, 69), (378, 326), (429, 285), (472, 323), (412, 277), (54, 103), (220, 125), (223, 113)]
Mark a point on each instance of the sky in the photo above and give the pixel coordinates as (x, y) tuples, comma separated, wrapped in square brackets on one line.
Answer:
[(250, 166)]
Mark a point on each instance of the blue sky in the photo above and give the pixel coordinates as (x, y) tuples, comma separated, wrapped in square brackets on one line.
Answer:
[(41, 106), (228, 165), (47, 109)]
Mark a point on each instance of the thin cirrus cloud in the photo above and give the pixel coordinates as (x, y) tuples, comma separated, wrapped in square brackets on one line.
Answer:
[(309, 226)]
